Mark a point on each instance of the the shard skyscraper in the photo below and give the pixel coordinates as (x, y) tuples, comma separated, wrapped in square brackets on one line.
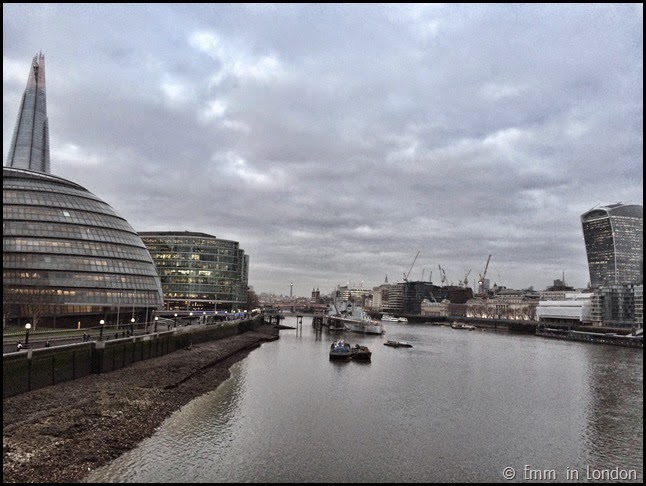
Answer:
[(30, 144)]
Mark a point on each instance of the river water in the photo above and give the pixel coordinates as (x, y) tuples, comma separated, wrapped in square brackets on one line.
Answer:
[(459, 406)]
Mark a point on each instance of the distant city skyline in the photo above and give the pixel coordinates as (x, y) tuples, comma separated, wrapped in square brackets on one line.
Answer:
[(335, 141)]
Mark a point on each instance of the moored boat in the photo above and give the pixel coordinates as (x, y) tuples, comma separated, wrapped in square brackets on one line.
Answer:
[(389, 318), (398, 344), (459, 325), (361, 353), (353, 318), (340, 350)]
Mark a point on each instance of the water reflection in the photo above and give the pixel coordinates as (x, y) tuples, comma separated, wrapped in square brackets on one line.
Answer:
[(457, 406)]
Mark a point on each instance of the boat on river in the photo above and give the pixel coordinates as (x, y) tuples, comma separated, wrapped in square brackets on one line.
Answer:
[(340, 350), (353, 318), (459, 325), (398, 344), (361, 353)]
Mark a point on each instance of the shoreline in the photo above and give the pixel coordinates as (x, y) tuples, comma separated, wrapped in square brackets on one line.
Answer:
[(61, 433)]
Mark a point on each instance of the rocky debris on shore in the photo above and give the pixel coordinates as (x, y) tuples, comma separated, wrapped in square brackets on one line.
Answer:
[(61, 433)]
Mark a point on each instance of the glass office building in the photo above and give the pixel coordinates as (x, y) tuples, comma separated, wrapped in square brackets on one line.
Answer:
[(29, 147), (199, 271), (69, 257), (614, 244)]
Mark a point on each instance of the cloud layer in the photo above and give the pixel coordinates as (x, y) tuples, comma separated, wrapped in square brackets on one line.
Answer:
[(335, 141)]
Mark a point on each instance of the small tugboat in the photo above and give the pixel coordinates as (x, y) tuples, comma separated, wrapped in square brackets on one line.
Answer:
[(398, 344), (340, 350), (361, 353)]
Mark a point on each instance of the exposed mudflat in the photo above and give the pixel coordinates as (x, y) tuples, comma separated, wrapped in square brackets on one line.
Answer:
[(62, 432)]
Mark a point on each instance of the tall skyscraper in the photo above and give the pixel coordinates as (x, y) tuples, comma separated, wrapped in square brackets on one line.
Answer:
[(30, 144), (614, 243)]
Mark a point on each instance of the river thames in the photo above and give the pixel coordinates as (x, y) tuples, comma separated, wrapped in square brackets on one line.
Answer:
[(459, 406)]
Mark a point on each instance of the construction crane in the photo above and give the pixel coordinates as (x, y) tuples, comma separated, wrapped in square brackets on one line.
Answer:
[(482, 277), (466, 280), (411, 267), (442, 275)]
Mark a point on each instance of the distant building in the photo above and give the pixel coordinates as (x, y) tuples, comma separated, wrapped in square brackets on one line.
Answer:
[(573, 309), (29, 147), (435, 309), (614, 244), (199, 271), (354, 294), (615, 306), (316, 296), (507, 304)]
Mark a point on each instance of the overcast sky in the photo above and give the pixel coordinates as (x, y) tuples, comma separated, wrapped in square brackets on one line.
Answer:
[(334, 141)]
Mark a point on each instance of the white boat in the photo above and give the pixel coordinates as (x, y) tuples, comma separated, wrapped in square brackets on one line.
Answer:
[(353, 318), (389, 318), (402, 319)]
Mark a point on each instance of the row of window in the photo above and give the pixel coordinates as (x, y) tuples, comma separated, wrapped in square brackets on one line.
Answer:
[(182, 296), (70, 279), (31, 296), (169, 243), (74, 263), (171, 275), (183, 257), (49, 199), (71, 231), (20, 213), (220, 249), (74, 247)]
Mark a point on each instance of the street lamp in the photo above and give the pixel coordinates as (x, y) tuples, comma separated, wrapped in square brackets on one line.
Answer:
[(132, 326), (102, 322), (175, 320), (156, 319), (27, 328), (190, 319)]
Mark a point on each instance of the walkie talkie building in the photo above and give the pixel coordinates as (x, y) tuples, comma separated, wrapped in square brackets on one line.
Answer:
[(614, 243)]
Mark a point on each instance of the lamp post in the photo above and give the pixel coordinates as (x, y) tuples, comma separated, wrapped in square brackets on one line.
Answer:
[(132, 326), (175, 320), (190, 319), (102, 322), (156, 319), (27, 328)]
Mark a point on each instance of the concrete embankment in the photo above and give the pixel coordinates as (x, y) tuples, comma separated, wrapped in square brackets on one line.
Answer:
[(31, 369), (59, 434)]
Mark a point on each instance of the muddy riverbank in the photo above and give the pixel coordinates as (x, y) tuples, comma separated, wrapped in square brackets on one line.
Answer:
[(62, 432)]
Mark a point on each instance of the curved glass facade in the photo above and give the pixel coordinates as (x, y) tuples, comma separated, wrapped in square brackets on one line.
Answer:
[(199, 271), (68, 253), (614, 242)]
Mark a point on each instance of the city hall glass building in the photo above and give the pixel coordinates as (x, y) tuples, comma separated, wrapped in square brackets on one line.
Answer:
[(67, 257), (614, 244), (199, 271)]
